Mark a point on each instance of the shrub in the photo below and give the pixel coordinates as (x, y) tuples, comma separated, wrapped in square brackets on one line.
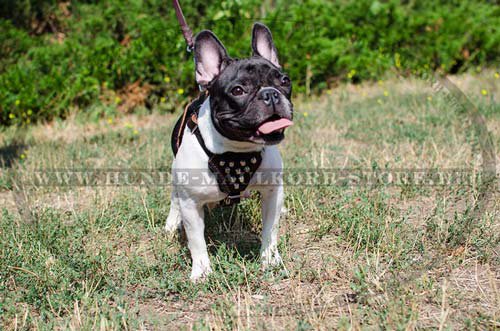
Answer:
[(59, 55)]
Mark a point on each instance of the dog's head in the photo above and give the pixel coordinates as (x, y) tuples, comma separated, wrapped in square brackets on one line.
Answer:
[(249, 98)]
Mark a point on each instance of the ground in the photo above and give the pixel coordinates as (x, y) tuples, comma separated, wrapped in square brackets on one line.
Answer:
[(383, 255)]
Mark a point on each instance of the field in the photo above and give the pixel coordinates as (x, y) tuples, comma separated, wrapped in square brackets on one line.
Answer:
[(391, 256)]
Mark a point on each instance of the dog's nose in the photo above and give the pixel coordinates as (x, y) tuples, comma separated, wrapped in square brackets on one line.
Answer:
[(270, 96)]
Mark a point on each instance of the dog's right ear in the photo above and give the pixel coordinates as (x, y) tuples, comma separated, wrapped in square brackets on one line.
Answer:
[(210, 57)]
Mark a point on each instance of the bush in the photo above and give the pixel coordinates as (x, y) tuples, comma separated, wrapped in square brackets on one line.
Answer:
[(59, 55)]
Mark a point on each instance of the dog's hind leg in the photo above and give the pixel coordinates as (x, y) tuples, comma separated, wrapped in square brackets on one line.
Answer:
[(174, 216)]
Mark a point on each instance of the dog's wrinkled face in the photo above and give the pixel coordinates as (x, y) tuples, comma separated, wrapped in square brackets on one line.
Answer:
[(249, 98)]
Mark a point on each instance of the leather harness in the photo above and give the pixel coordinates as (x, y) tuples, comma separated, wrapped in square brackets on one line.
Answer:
[(232, 170)]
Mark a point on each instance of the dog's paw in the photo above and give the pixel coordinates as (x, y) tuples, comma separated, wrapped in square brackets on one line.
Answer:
[(171, 229), (199, 273), (173, 225), (271, 258)]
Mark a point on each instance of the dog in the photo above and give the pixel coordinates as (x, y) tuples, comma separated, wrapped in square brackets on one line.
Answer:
[(245, 114)]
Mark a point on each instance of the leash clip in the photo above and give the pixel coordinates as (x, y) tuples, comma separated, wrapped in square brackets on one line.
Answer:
[(228, 200), (186, 31)]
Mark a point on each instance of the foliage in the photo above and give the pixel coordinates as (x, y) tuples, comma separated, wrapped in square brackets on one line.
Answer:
[(57, 56)]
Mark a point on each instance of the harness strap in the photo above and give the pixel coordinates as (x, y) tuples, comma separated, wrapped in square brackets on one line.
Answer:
[(183, 123), (192, 124)]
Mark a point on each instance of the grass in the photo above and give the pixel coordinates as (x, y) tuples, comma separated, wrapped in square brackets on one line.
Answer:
[(380, 256)]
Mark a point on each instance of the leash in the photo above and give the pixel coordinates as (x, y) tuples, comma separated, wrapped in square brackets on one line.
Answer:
[(186, 31), (188, 37)]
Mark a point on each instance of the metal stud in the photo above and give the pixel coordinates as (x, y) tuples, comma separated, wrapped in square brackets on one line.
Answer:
[(231, 164), (247, 169), (253, 160), (233, 179), (221, 163), (227, 170), (238, 171), (236, 186), (243, 163), (242, 179)]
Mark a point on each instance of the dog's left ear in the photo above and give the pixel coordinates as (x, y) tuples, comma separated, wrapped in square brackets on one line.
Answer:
[(263, 45)]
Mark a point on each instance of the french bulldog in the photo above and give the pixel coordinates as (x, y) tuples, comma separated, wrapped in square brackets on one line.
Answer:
[(247, 110)]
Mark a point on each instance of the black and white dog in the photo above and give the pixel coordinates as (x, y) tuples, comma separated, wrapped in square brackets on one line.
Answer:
[(247, 110)]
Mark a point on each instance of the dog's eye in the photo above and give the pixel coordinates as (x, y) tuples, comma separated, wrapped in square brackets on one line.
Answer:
[(237, 91), (285, 81)]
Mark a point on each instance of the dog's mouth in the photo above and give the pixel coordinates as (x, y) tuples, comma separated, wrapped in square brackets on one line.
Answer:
[(274, 124), (272, 130)]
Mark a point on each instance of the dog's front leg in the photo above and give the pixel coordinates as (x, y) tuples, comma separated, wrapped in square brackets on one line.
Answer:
[(194, 225), (272, 203)]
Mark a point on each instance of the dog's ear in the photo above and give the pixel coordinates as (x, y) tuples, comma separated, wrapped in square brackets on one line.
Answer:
[(210, 57), (263, 45)]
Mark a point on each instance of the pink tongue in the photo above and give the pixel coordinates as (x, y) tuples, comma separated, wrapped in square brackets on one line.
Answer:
[(272, 126)]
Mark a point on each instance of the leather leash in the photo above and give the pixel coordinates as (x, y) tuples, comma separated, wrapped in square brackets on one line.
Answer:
[(186, 31)]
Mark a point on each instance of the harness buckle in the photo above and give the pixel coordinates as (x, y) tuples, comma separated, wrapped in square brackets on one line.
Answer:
[(228, 200)]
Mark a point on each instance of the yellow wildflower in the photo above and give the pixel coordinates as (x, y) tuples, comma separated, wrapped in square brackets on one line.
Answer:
[(497, 75), (180, 91), (110, 120), (397, 60), (163, 99), (429, 98), (166, 79), (386, 93), (12, 116), (17, 102), (379, 101), (351, 73), (30, 112), (22, 156), (305, 114), (136, 132), (118, 100), (484, 92)]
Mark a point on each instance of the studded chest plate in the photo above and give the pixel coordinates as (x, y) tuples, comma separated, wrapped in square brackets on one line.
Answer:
[(234, 172)]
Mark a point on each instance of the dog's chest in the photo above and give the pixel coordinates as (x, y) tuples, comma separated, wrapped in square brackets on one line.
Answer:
[(202, 184)]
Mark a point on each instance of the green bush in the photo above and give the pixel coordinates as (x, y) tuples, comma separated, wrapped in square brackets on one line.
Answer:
[(55, 57)]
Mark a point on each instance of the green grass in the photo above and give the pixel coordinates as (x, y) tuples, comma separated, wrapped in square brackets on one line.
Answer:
[(379, 256)]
